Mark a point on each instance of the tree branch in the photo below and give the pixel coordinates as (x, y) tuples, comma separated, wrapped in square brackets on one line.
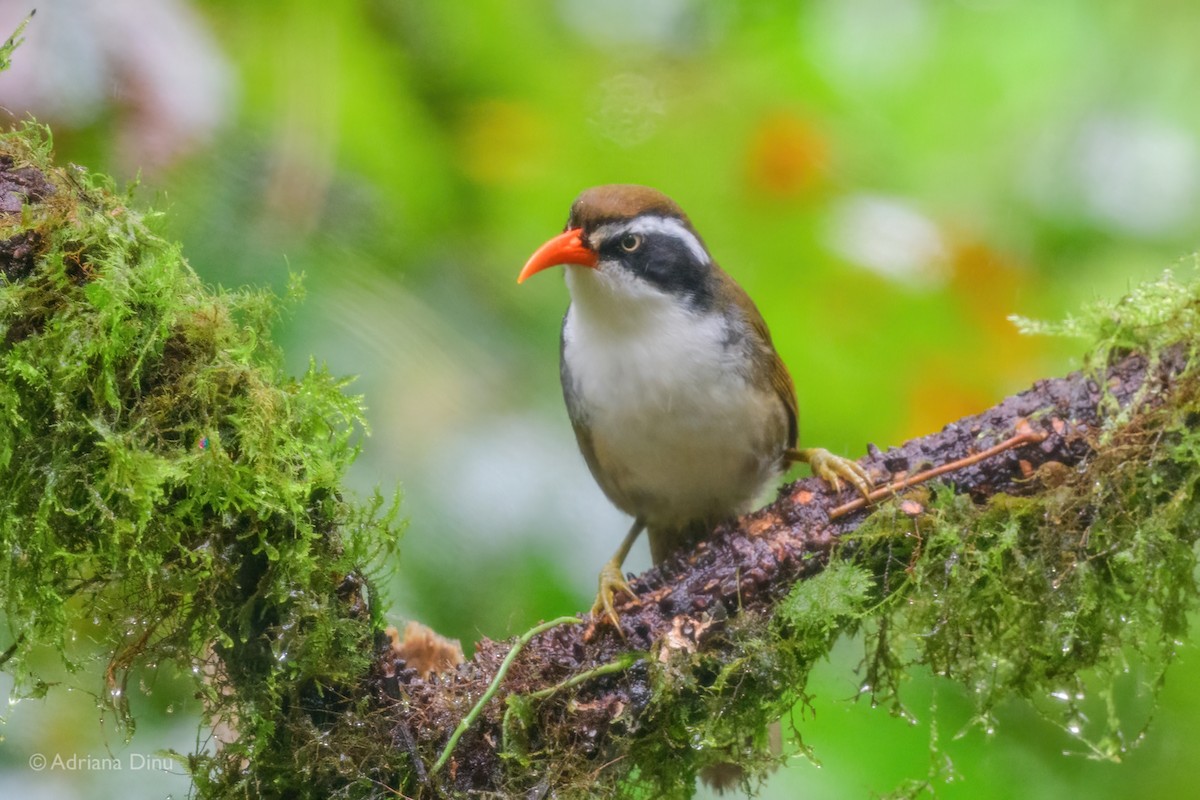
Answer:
[(746, 568)]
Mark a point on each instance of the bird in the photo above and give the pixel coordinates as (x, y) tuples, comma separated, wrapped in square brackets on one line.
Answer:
[(681, 406)]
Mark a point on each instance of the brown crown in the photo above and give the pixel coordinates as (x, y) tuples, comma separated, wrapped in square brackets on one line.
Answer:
[(620, 201)]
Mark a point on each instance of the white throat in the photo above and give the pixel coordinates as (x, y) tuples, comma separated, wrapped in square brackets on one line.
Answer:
[(611, 302), (678, 430)]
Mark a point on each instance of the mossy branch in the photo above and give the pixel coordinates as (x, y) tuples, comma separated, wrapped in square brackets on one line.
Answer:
[(163, 475), (1087, 517)]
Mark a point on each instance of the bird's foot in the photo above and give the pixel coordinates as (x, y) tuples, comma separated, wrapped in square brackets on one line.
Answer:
[(611, 582), (833, 469)]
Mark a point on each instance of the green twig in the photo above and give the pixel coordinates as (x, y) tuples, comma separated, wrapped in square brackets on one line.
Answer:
[(11, 651), (624, 662), (475, 711), (13, 42), (621, 664)]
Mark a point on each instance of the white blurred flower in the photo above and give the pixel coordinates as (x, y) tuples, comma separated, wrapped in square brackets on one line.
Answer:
[(869, 41), (890, 237), (1139, 175), (152, 63), (662, 23)]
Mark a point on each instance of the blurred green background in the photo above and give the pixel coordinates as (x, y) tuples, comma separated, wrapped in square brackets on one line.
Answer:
[(889, 179)]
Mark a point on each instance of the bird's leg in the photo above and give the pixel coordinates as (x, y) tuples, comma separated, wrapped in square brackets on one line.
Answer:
[(612, 580), (832, 469)]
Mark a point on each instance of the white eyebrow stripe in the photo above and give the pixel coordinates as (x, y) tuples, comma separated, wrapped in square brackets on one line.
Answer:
[(669, 226)]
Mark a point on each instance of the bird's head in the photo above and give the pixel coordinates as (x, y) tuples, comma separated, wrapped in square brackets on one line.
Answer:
[(636, 241)]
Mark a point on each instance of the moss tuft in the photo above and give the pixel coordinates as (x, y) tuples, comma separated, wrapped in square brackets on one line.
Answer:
[(164, 478), (1054, 598)]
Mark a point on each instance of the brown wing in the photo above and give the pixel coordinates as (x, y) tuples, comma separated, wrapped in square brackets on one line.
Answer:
[(766, 358), (781, 382)]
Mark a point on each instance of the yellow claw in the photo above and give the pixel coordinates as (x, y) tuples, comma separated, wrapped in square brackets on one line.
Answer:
[(611, 581), (832, 469)]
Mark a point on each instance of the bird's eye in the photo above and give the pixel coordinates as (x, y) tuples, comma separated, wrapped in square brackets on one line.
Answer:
[(630, 242)]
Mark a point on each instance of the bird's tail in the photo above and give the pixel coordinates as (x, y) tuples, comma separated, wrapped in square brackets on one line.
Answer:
[(665, 540), (727, 776)]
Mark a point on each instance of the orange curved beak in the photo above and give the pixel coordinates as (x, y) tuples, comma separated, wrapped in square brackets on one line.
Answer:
[(566, 248)]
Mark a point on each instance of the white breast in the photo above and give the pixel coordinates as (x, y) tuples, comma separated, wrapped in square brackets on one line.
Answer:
[(678, 432)]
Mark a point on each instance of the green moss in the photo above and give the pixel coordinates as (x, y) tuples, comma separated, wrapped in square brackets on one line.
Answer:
[(1055, 598), (164, 477), (11, 44)]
